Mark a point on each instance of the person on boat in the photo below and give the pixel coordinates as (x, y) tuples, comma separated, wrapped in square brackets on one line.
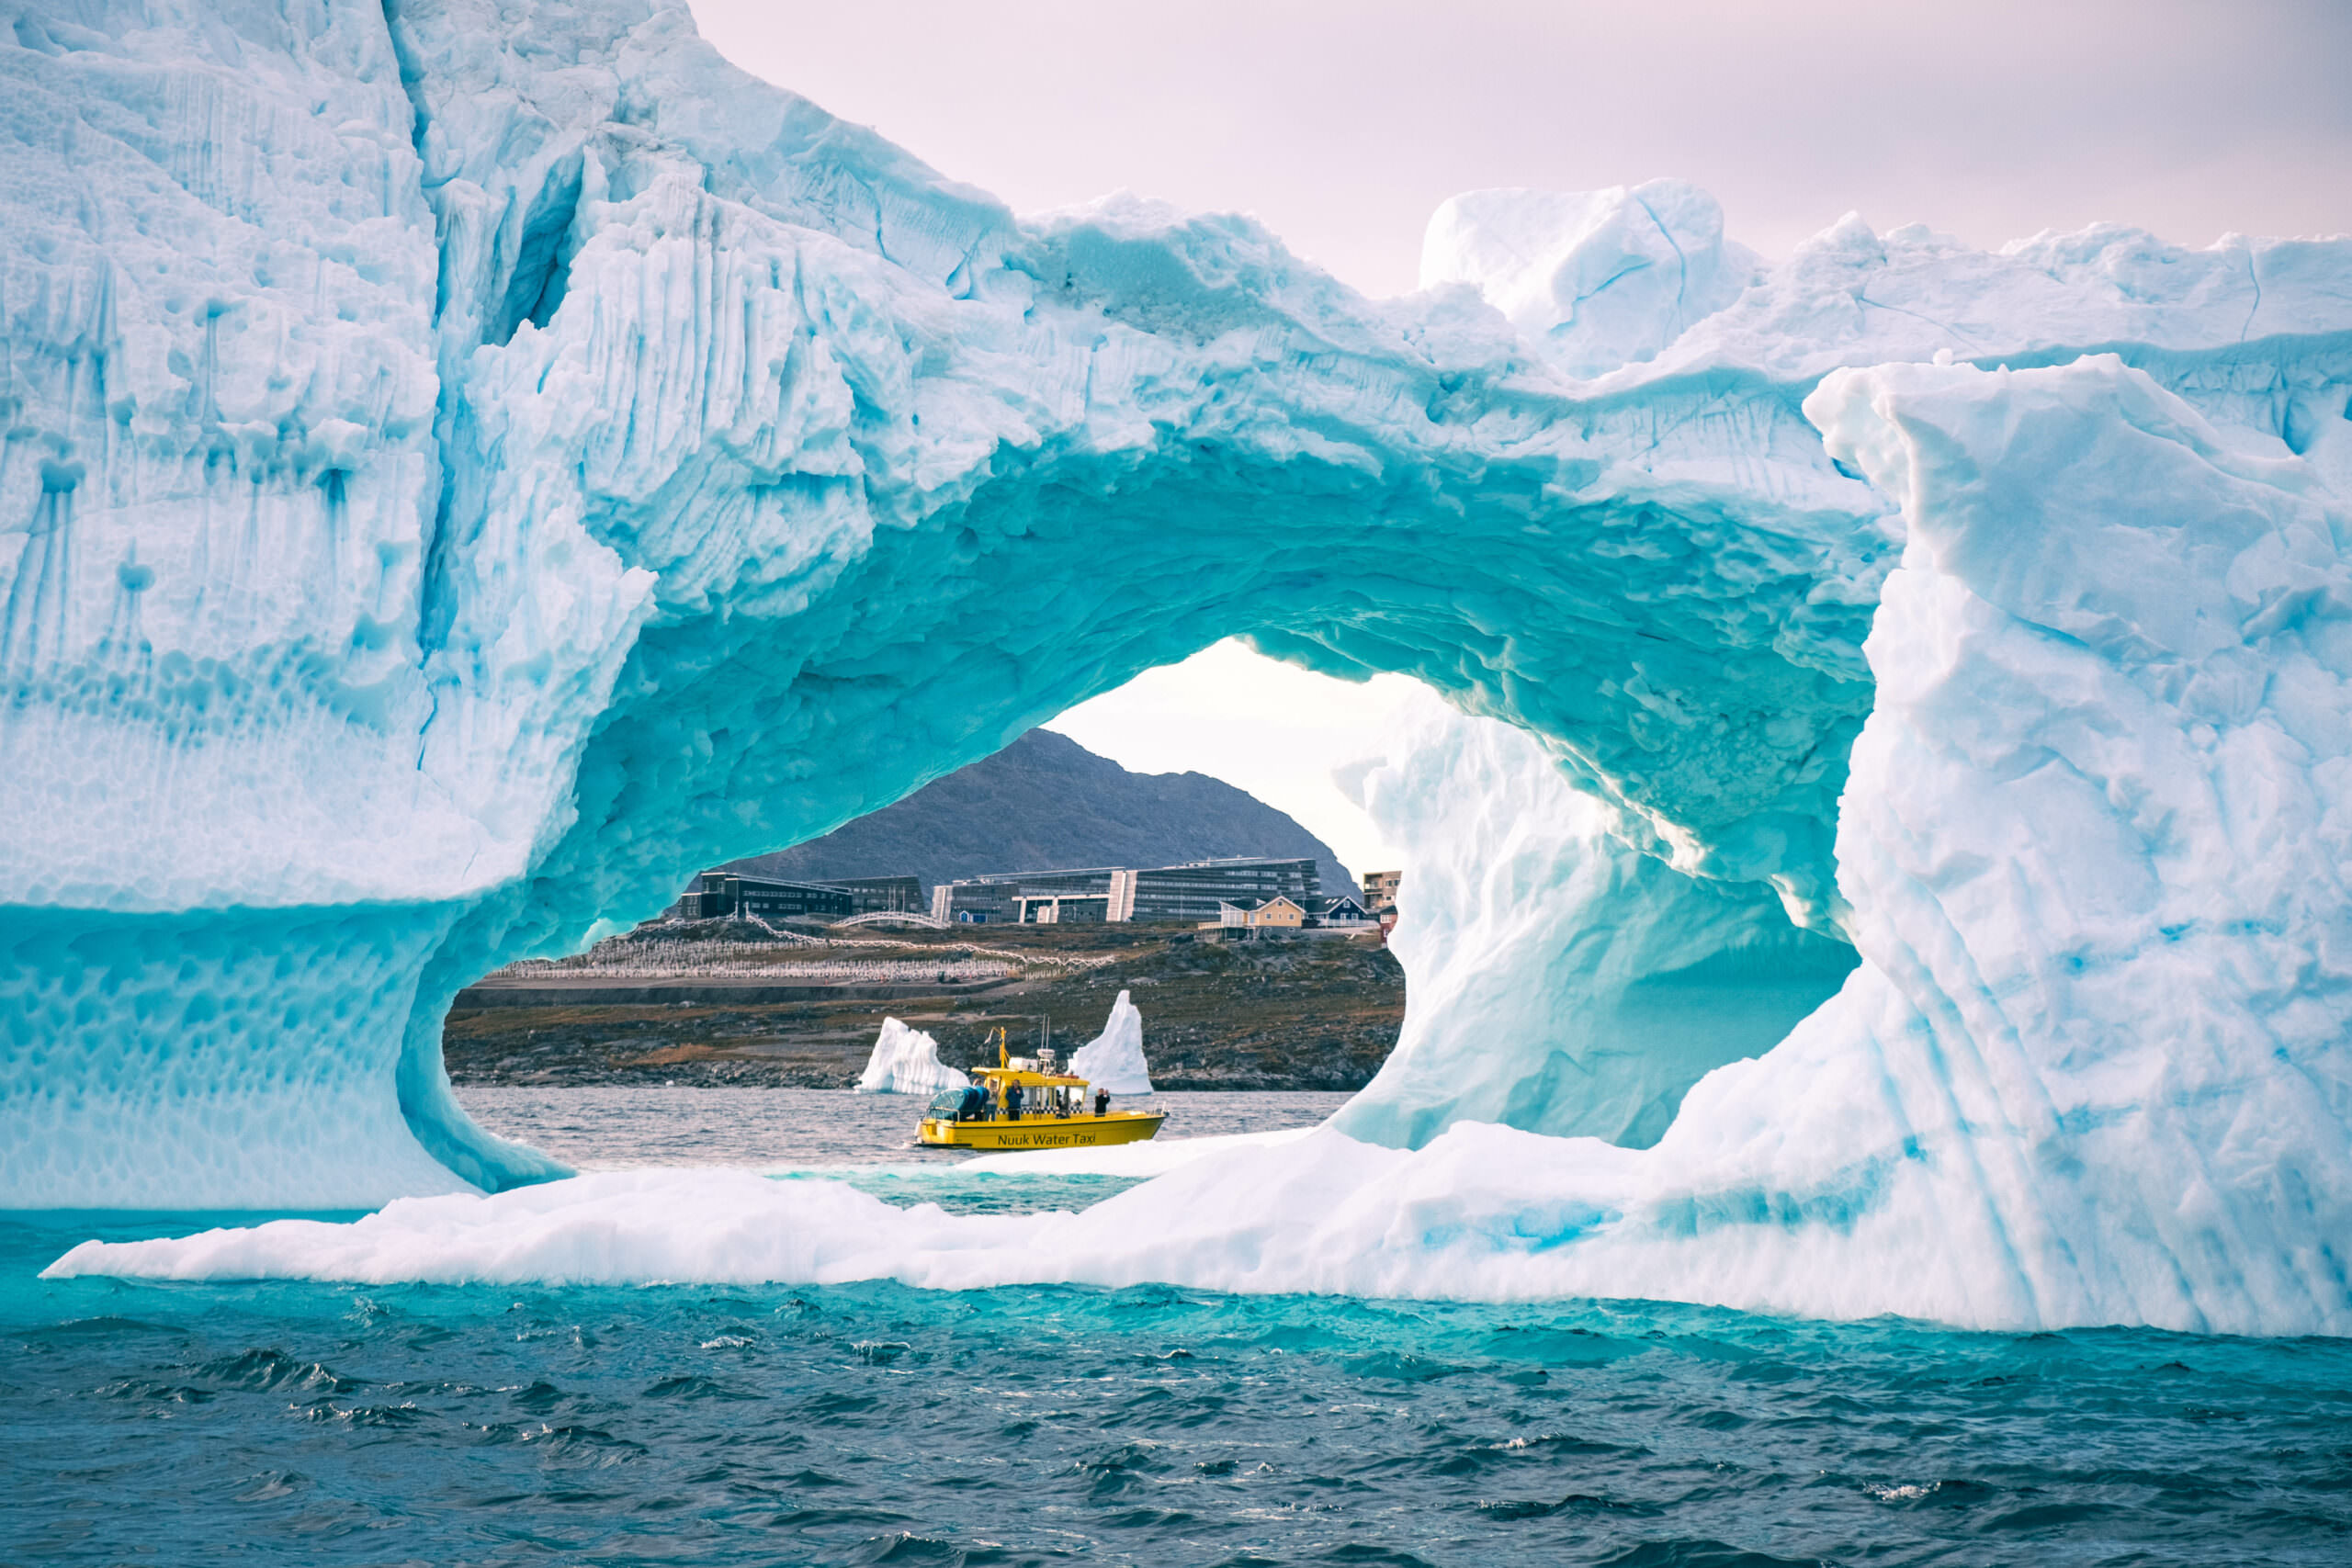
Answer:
[(1101, 1102), (1013, 1102), (974, 1099)]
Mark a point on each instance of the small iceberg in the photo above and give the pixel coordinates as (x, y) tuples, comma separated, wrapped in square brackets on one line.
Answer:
[(906, 1061), (1114, 1059)]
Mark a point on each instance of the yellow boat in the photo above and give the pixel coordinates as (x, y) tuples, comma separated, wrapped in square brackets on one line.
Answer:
[(1023, 1103)]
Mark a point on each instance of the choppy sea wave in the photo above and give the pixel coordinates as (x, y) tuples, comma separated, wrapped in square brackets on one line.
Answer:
[(328, 1423)]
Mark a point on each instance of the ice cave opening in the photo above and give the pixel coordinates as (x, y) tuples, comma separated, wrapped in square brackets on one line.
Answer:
[(431, 527), (1632, 980)]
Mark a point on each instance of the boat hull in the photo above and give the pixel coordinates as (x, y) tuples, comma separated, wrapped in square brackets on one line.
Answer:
[(1043, 1131)]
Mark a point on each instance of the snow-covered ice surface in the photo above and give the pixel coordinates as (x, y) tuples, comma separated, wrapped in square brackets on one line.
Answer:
[(465, 471), (906, 1061), (1114, 1059), (1595, 279)]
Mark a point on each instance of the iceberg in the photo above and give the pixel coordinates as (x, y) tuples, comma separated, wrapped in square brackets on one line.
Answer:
[(906, 1061), (467, 464), (1114, 1059)]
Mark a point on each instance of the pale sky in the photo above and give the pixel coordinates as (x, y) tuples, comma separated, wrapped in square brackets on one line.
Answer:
[(1342, 125), (1271, 728)]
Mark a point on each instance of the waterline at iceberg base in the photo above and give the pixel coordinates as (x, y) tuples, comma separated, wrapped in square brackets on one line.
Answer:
[(1904, 880)]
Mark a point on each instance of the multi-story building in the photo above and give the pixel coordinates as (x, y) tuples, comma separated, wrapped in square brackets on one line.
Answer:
[(994, 903), (881, 895), (1192, 891), (722, 896), (1380, 889), (1062, 909)]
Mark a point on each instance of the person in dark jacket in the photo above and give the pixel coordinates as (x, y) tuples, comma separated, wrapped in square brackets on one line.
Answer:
[(1101, 1102), (1013, 1102)]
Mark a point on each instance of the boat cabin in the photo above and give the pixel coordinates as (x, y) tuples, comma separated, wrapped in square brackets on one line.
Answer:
[(1023, 1088)]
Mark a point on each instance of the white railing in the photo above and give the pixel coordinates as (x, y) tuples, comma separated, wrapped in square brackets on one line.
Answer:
[(797, 960), (776, 971)]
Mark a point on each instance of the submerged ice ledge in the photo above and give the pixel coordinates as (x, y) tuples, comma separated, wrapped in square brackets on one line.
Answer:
[(1315, 1213), (1483, 1213)]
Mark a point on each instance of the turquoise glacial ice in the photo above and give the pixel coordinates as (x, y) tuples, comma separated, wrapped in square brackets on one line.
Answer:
[(467, 464)]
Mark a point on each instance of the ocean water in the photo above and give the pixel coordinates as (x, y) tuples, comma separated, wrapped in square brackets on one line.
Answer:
[(307, 1424), (867, 1140), (611, 1129)]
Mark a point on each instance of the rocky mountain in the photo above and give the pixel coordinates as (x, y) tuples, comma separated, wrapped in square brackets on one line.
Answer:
[(1045, 802)]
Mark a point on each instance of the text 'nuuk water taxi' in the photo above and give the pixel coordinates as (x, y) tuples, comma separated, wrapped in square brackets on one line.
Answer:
[(1023, 1103)]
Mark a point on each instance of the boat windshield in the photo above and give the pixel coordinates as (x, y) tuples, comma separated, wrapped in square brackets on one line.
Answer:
[(947, 1103)]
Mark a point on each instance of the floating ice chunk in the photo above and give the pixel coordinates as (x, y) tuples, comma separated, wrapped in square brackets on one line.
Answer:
[(906, 1061), (1114, 1059), (1483, 1213), (609, 1228)]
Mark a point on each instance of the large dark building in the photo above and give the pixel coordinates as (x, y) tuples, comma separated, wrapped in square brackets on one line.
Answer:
[(1189, 892), (724, 894), (881, 895), (720, 895)]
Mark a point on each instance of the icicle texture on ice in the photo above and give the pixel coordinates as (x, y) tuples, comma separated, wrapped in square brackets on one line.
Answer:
[(466, 470)]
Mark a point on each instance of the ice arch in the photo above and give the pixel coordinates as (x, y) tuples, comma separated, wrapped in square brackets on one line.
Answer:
[(448, 518), (547, 479)]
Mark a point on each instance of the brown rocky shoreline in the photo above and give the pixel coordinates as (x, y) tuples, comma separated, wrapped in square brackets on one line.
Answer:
[(1295, 1013)]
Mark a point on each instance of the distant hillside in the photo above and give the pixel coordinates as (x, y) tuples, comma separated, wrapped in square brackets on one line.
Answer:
[(1044, 802)]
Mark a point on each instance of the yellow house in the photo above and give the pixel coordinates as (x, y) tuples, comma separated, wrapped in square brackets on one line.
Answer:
[(1276, 913)]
